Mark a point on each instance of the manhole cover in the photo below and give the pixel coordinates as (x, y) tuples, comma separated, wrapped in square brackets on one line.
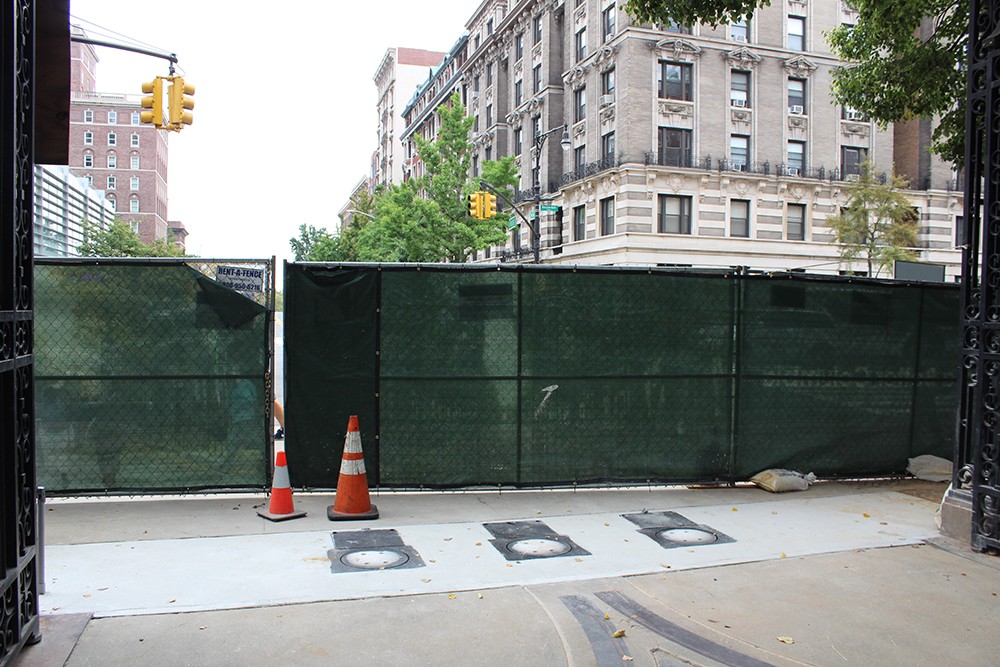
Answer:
[(374, 559), (688, 535), (539, 547)]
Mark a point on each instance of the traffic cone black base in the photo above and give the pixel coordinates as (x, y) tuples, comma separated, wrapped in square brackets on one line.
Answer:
[(281, 517), (340, 516)]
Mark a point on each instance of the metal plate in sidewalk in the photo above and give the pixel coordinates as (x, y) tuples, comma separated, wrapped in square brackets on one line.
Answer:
[(671, 530), (529, 540), (361, 550)]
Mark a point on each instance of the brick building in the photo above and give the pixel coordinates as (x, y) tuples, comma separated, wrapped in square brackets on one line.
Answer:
[(688, 145), (110, 147)]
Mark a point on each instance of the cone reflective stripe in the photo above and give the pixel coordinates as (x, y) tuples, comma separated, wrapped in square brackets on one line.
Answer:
[(281, 506), (352, 501)]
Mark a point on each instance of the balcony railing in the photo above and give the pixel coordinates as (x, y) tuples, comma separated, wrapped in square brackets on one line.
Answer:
[(687, 161), (588, 170), (745, 167)]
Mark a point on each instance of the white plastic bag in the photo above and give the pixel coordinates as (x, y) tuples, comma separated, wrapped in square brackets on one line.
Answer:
[(930, 468), (779, 480)]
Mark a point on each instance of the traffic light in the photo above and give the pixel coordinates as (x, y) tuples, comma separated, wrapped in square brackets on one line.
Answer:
[(153, 102), (476, 205), (489, 205), (180, 103)]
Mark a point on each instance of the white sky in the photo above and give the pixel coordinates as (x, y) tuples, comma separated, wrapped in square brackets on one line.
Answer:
[(284, 117)]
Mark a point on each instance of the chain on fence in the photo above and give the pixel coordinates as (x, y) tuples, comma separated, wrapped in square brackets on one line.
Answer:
[(152, 375)]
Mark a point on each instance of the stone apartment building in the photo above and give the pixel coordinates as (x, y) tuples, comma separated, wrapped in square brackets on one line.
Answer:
[(688, 145), (115, 152)]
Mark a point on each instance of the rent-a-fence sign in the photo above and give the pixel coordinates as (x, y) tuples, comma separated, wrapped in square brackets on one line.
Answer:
[(241, 278)]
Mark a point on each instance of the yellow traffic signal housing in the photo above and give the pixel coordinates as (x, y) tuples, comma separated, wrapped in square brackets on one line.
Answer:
[(180, 103), (476, 205), (489, 205), (153, 102)]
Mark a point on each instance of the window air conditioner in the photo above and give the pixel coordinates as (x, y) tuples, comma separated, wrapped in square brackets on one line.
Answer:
[(740, 38), (737, 102), (796, 109), (739, 166), (851, 114), (793, 171), (851, 177), (606, 100)]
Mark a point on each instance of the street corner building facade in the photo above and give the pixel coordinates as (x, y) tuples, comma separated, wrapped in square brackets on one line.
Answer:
[(688, 145)]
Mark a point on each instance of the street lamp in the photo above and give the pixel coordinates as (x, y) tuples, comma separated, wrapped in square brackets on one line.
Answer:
[(537, 176)]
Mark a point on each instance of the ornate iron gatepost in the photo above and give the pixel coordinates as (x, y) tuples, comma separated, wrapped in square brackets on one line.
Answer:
[(977, 451), (18, 537)]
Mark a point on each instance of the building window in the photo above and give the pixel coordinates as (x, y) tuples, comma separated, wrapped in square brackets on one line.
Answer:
[(489, 116), (518, 92), (133, 183), (608, 82), (608, 216), (135, 162), (608, 23), (608, 146), (579, 223), (89, 179), (739, 218), (536, 126), (579, 104), (740, 31), (674, 81), (475, 165), (739, 89), (134, 139), (796, 158), (797, 33), (112, 139), (489, 74), (112, 182), (112, 161), (676, 28), (88, 115), (475, 85), (796, 222), (488, 153), (135, 118), (519, 46), (675, 147), (88, 160), (114, 203), (674, 215), (489, 27), (537, 29), (536, 78), (475, 123), (739, 151), (112, 118), (797, 96), (88, 138), (579, 157), (848, 113), (851, 159), (515, 238), (133, 207), (518, 141), (581, 45)]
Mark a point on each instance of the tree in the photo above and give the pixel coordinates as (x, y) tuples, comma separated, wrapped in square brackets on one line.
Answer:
[(907, 57), (309, 239), (426, 219), (118, 240), (878, 224)]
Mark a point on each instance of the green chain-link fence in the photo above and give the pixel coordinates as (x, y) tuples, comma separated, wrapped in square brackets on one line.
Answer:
[(152, 375), (528, 375)]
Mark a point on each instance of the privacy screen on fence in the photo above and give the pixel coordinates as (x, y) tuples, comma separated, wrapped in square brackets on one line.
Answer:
[(528, 375), (149, 376)]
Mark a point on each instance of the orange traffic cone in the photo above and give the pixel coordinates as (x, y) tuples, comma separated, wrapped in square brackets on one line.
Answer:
[(281, 507), (352, 502)]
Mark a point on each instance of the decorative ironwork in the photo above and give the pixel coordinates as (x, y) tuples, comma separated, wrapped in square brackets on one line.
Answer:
[(977, 447), (18, 538), (590, 169)]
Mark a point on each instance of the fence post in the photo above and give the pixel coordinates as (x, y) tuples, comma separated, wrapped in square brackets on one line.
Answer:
[(520, 378), (739, 288)]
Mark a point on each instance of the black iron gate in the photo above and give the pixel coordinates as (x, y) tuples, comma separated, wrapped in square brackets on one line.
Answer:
[(977, 463), (18, 538)]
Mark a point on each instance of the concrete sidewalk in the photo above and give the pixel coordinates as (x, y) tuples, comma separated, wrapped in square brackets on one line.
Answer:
[(793, 579)]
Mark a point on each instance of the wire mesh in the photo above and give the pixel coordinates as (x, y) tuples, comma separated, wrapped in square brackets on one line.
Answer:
[(150, 376)]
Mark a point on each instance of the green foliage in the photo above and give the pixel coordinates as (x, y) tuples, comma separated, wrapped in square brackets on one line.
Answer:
[(898, 70), (308, 239), (691, 12), (878, 224), (426, 219), (118, 240)]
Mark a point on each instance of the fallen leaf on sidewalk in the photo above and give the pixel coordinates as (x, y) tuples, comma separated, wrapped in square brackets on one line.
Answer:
[(451, 596), (425, 580), (735, 510), (618, 633), (447, 539), (866, 515), (608, 618), (786, 640), (627, 658), (479, 544), (480, 596)]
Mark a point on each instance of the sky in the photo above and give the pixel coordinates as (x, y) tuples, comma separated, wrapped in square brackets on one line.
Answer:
[(284, 118)]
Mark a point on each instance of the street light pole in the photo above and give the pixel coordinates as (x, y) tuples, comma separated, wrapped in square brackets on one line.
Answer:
[(537, 177)]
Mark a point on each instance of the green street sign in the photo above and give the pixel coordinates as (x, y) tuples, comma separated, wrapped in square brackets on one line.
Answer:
[(512, 223), (550, 208)]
